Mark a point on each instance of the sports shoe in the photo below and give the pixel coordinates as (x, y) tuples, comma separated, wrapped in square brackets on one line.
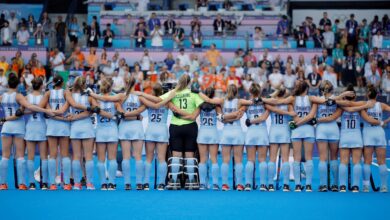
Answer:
[(298, 188), (22, 187), (308, 188), (383, 189), (355, 189), (139, 186), (202, 187), (343, 189), (225, 187), (240, 187), (248, 187), (44, 186), (334, 188), (111, 187), (366, 189), (323, 188), (146, 187), (32, 186), (90, 186), (161, 187), (271, 188), (67, 187), (216, 187), (263, 187), (119, 173), (286, 188), (127, 186), (3, 187), (53, 187), (104, 187), (77, 186)]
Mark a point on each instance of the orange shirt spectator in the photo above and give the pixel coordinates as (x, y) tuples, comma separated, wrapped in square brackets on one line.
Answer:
[(39, 72), (220, 83), (213, 56), (3, 64), (208, 80)]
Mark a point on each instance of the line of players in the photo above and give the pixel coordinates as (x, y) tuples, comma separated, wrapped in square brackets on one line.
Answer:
[(60, 116)]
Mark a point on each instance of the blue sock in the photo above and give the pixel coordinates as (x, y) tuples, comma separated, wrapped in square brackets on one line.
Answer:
[(383, 175), (52, 171), (225, 173), (357, 174), (334, 168), (162, 172), (202, 173), (215, 173), (286, 172), (271, 172), (322, 168), (147, 167), (3, 170), (113, 167), (239, 169), (30, 170), (249, 167), (21, 167), (309, 171), (89, 167), (366, 174), (76, 169), (44, 170), (263, 172), (126, 170), (139, 169), (297, 172), (66, 169), (343, 174), (102, 172)]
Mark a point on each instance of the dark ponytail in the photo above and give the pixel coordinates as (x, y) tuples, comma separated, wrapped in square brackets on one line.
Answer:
[(371, 92)]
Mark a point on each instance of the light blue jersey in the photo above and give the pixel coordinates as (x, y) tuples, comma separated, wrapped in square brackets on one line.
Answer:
[(302, 107), (131, 129), (157, 130), (10, 105), (328, 131), (81, 129), (57, 128), (208, 133), (232, 132), (279, 131), (36, 122), (106, 129), (350, 135), (374, 135), (257, 134)]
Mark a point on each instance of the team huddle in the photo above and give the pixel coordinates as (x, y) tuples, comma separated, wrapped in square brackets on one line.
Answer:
[(58, 119)]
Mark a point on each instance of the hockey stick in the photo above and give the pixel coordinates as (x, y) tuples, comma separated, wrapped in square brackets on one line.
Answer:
[(278, 170), (374, 188), (15, 167), (349, 176), (254, 186), (328, 171), (234, 173), (155, 171)]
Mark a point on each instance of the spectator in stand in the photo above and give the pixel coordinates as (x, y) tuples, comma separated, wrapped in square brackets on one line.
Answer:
[(145, 62), (213, 56), (250, 57), (237, 59), (348, 76), (93, 36), (351, 26), (178, 35), (284, 44), (23, 36), (13, 23), (363, 48), (311, 27), (153, 21), (374, 77), (283, 27), (194, 63), (301, 38), (386, 24), (46, 23), (118, 83), (73, 32), (92, 61), (78, 56), (60, 28), (169, 25), (336, 29), (96, 23), (318, 39), (233, 79), (364, 30), (31, 24), (359, 67), (57, 60), (3, 64), (208, 79), (338, 59), (265, 64), (227, 5), (169, 61), (328, 39), (219, 25), (377, 39), (6, 35), (289, 78), (140, 35), (183, 57), (108, 36), (196, 37), (325, 59), (301, 74), (330, 76), (39, 71), (141, 21), (325, 21), (261, 77), (258, 37), (39, 35), (129, 25), (385, 82), (195, 21), (375, 25), (275, 80), (230, 28), (202, 5), (2, 20), (157, 34), (314, 81)]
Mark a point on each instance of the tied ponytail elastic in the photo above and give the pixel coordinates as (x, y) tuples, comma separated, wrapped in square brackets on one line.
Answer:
[(57, 81)]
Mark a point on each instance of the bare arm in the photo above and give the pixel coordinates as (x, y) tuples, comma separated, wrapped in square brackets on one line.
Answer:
[(280, 111), (108, 98), (262, 118), (193, 116), (149, 97), (215, 101), (71, 101), (158, 105), (332, 117), (273, 101), (22, 101), (136, 112), (368, 118), (308, 117)]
